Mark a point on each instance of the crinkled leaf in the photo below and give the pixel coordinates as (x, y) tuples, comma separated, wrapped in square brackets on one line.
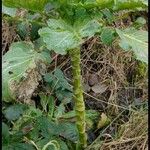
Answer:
[(26, 120), (137, 41), (14, 112), (21, 63), (23, 29)]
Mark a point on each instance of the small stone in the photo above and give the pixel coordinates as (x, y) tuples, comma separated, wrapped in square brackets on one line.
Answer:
[(93, 79), (99, 88)]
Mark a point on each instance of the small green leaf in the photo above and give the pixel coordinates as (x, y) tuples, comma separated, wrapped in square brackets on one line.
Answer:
[(64, 96), (57, 80), (23, 29), (44, 99), (89, 29), (14, 112), (61, 81), (107, 35), (137, 40), (5, 133), (60, 110), (141, 20)]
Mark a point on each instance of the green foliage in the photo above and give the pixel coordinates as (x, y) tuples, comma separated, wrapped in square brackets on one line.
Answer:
[(13, 141), (28, 30), (27, 4), (59, 85), (137, 40)]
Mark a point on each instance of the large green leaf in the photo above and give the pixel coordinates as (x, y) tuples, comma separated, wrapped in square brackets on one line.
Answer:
[(60, 37), (137, 40), (9, 11), (27, 4), (21, 71)]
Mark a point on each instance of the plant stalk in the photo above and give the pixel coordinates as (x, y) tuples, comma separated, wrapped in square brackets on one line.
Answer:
[(78, 97)]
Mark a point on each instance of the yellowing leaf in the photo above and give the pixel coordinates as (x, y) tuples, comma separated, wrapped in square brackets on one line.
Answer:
[(104, 121)]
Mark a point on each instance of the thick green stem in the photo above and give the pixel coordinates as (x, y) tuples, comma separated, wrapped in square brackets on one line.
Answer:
[(78, 96)]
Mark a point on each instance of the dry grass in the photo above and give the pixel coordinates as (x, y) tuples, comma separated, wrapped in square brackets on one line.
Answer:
[(133, 135)]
